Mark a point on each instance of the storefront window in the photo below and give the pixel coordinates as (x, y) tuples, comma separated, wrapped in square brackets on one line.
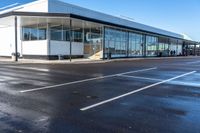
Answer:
[(66, 33), (151, 45), (135, 44), (77, 35), (163, 46), (62, 32), (26, 34), (42, 34), (34, 32), (116, 42), (42, 30), (57, 32)]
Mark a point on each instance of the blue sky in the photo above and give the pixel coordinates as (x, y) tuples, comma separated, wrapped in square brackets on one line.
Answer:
[(181, 16)]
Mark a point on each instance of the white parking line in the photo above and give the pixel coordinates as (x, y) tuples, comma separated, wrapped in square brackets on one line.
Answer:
[(185, 83), (137, 77), (135, 91), (171, 82), (86, 80), (29, 68), (193, 62)]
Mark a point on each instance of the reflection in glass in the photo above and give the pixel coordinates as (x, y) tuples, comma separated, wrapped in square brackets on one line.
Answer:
[(135, 44), (116, 42), (34, 32), (56, 32), (151, 45)]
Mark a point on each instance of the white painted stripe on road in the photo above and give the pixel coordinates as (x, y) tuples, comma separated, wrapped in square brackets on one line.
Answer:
[(171, 82), (137, 77), (29, 68), (86, 80), (185, 83), (193, 62), (135, 91)]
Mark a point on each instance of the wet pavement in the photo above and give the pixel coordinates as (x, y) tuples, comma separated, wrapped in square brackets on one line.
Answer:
[(39, 98)]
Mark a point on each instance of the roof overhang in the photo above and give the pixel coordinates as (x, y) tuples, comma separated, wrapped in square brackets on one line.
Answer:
[(14, 13)]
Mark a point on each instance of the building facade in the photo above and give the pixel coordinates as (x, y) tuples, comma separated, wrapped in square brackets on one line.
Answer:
[(50, 29)]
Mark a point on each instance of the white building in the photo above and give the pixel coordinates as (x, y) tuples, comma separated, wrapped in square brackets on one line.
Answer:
[(49, 28)]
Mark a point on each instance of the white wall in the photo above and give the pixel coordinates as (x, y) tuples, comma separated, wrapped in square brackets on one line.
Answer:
[(77, 48), (35, 47), (19, 41), (37, 6), (7, 41), (63, 48), (59, 47)]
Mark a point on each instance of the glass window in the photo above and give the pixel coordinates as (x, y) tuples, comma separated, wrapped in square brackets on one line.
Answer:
[(42, 32), (151, 45), (26, 33), (91, 35), (34, 32), (56, 33), (77, 30), (61, 32), (66, 33), (77, 35), (163, 46), (116, 42), (135, 44)]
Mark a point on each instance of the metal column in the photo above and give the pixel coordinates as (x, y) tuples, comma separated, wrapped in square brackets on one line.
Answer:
[(70, 32), (104, 41), (16, 53), (144, 45)]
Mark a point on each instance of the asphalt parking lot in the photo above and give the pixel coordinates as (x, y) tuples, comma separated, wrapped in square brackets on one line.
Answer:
[(140, 96)]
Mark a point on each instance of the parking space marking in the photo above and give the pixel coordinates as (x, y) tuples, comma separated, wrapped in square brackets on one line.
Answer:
[(86, 80), (171, 82), (193, 62), (29, 68), (135, 91), (185, 84), (137, 77)]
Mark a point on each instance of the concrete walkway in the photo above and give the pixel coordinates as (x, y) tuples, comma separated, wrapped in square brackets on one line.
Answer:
[(41, 61), (81, 61)]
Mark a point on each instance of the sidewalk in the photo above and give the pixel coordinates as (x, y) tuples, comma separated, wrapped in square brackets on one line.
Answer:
[(83, 61), (40, 61)]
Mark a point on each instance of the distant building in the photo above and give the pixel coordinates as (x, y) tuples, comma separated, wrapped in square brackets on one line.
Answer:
[(49, 28)]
